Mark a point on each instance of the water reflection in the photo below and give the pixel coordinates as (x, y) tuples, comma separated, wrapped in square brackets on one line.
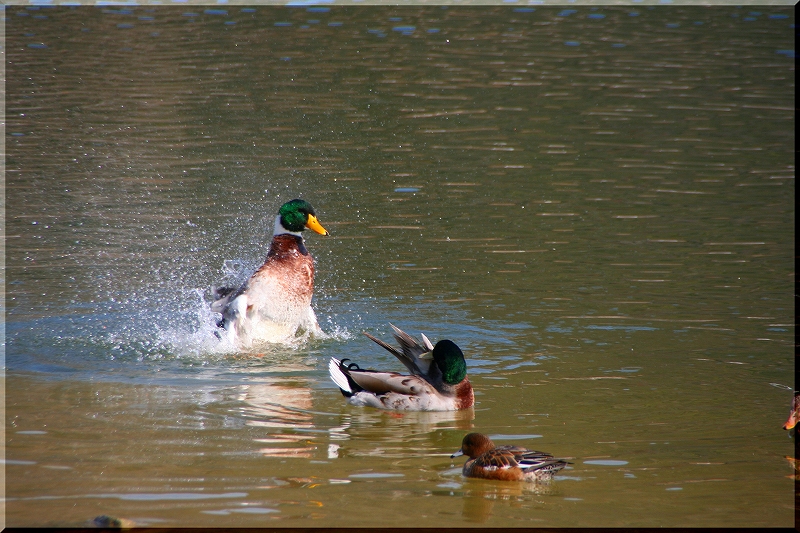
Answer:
[(481, 497), (365, 432), (277, 405)]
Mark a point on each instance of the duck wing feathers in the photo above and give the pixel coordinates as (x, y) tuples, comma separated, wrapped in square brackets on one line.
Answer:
[(384, 382), (221, 295), (411, 353), (511, 456), (527, 460)]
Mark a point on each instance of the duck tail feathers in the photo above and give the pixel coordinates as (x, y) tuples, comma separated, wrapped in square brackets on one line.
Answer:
[(337, 373)]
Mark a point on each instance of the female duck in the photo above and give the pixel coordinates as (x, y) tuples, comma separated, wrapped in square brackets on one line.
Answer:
[(275, 303), (438, 380), (505, 463)]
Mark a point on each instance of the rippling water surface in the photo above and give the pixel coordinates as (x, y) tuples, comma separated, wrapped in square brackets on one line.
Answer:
[(595, 203)]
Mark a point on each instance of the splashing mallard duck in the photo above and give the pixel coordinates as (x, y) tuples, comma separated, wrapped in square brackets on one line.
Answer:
[(505, 463), (274, 305), (438, 380)]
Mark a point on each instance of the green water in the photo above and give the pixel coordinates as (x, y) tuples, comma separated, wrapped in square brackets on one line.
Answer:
[(596, 205)]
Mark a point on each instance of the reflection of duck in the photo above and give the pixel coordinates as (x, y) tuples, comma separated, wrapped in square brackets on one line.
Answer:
[(280, 408), (794, 415), (438, 380), (505, 463), (480, 498), (112, 522), (275, 303), (794, 464)]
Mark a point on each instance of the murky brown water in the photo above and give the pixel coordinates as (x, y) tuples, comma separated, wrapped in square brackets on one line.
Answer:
[(596, 204)]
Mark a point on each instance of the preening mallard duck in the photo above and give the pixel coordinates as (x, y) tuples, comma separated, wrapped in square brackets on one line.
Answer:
[(505, 463), (438, 380), (275, 303)]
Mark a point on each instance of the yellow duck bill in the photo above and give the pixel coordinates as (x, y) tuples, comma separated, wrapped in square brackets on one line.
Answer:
[(314, 225)]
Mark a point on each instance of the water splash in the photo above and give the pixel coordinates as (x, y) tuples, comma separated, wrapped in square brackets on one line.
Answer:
[(165, 329), (194, 335)]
